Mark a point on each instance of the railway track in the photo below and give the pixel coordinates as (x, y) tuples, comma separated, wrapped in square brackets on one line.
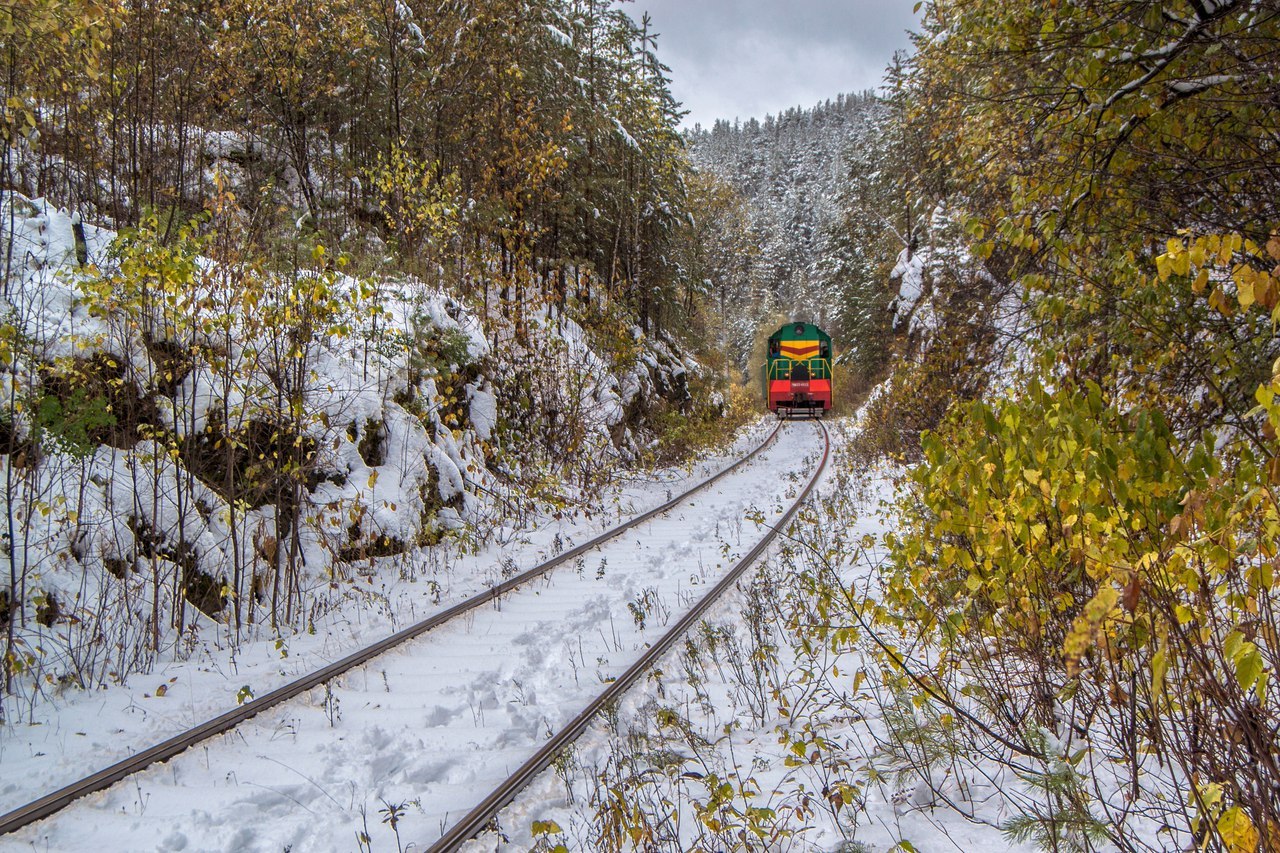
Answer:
[(485, 813), (54, 802)]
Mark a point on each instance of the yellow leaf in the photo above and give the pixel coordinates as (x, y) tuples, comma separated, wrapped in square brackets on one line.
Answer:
[(1225, 251), (1237, 831), (545, 827), (1244, 288), (1219, 301), (1182, 264), (1159, 666)]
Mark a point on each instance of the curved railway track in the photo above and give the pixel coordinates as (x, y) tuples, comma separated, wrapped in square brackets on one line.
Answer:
[(54, 802), (484, 814)]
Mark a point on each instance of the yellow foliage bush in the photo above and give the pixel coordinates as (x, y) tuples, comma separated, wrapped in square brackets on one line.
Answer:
[(1075, 561)]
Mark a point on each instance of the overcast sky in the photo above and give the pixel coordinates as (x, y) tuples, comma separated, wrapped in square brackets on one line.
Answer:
[(746, 58)]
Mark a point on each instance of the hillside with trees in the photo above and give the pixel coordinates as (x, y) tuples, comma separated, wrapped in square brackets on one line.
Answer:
[(1119, 163), (444, 133), (1081, 589), (295, 290), (1062, 629), (815, 227)]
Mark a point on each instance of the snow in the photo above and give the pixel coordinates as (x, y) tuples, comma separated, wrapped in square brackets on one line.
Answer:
[(1200, 84), (434, 724), (104, 531), (558, 34), (626, 136), (729, 730), (43, 245), (445, 313), (427, 730), (909, 271), (484, 411), (221, 144)]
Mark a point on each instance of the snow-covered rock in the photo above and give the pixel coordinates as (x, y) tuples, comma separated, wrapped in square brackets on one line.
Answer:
[(178, 460)]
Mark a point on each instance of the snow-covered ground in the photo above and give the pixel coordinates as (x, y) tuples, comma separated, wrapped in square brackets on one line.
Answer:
[(430, 728), (388, 757), (654, 774)]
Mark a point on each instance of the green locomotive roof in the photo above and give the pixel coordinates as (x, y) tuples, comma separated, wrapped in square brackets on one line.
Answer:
[(800, 332)]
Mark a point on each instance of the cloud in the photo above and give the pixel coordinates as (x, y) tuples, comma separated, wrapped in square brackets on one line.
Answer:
[(748, 58)]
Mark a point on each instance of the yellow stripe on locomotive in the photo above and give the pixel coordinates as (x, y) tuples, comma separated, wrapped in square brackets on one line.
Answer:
[(797, 372)]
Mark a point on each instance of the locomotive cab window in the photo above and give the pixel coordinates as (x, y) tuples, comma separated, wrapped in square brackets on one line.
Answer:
[(774, 347)]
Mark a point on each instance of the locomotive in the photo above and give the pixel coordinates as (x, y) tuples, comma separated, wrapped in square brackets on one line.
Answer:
[(797, 371)]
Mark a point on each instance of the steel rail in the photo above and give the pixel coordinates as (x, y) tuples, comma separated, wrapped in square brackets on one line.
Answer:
[(105, 778), (479, 818)]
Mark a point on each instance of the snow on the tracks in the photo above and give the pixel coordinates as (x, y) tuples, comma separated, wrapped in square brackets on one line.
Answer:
[(423, 732), (707, 718)]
